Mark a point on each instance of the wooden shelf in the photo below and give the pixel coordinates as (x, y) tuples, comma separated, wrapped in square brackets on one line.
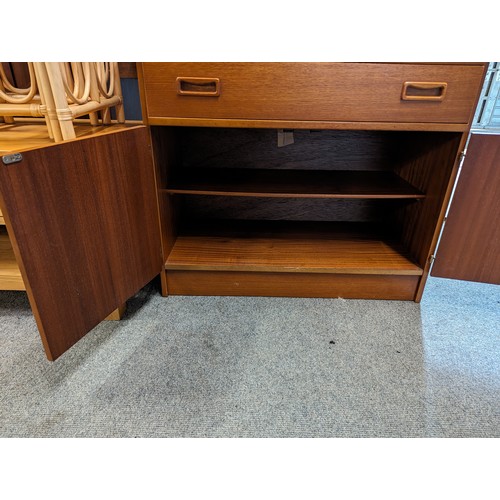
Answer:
[(292, 183), (10, 275), (2, 220), (290, 247)]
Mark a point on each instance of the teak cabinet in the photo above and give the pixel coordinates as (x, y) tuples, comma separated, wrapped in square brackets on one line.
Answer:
[(269, 179)]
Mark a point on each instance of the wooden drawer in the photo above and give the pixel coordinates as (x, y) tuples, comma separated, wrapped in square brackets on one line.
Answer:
[(341, 92)]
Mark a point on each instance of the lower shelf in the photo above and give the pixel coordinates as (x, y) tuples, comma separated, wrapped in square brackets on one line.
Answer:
[(10, 275), (279, 246), (290, 259)]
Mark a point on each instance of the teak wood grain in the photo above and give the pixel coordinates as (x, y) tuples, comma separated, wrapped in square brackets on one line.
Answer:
[(401, 120), (303, 124), (292, 184), (335, 92), (262, 284), (288, 247), (469, 248), (83, 224), (428, 165)]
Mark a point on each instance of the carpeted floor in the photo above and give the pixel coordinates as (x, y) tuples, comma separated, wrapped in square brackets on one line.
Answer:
[(262, 367)]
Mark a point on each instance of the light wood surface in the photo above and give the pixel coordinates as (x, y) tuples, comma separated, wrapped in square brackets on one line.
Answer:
[(117, 314), (33, 101), (355, 92), (23, 136), (19, 137), (2, 220), (61, 91), (278, 246), (10, 274)]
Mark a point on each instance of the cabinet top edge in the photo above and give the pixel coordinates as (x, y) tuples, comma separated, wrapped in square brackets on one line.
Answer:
[(454, 63)]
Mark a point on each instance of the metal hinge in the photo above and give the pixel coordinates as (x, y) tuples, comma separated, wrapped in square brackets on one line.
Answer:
[(432, 258), (461, 158), (13, 158)]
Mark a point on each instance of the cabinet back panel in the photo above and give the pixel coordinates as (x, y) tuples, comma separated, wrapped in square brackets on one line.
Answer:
[(314, 150), (223, 207)]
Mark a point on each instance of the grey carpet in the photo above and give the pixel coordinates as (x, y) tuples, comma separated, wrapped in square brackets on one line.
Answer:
[(262, 367)]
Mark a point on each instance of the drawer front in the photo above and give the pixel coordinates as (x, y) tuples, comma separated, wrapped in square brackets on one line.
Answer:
[(351, 92)]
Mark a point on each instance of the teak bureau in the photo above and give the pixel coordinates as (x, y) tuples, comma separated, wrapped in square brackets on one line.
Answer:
[(270, 179)]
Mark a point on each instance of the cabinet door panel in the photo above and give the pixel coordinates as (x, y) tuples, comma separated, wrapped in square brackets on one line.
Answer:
[(83, 221), (470, 244)]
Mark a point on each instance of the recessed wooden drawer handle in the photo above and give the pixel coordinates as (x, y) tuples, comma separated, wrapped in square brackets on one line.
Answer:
[(424, 91), (205, 87)]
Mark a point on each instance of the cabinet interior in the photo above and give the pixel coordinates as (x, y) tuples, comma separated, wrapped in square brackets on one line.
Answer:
[(351, 201)]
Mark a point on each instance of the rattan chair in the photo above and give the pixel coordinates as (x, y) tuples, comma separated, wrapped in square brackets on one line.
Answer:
[(61, 92)]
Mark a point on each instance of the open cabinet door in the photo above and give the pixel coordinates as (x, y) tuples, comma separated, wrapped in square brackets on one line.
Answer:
[(469, 248), (83, 221)]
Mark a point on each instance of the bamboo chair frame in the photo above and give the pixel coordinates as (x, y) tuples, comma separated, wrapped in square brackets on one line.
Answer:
[(65, 91), (16, 101)]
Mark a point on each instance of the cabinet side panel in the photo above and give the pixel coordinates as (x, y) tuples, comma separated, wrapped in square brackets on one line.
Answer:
[(83, 220), (167, 157), (429, 166)]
